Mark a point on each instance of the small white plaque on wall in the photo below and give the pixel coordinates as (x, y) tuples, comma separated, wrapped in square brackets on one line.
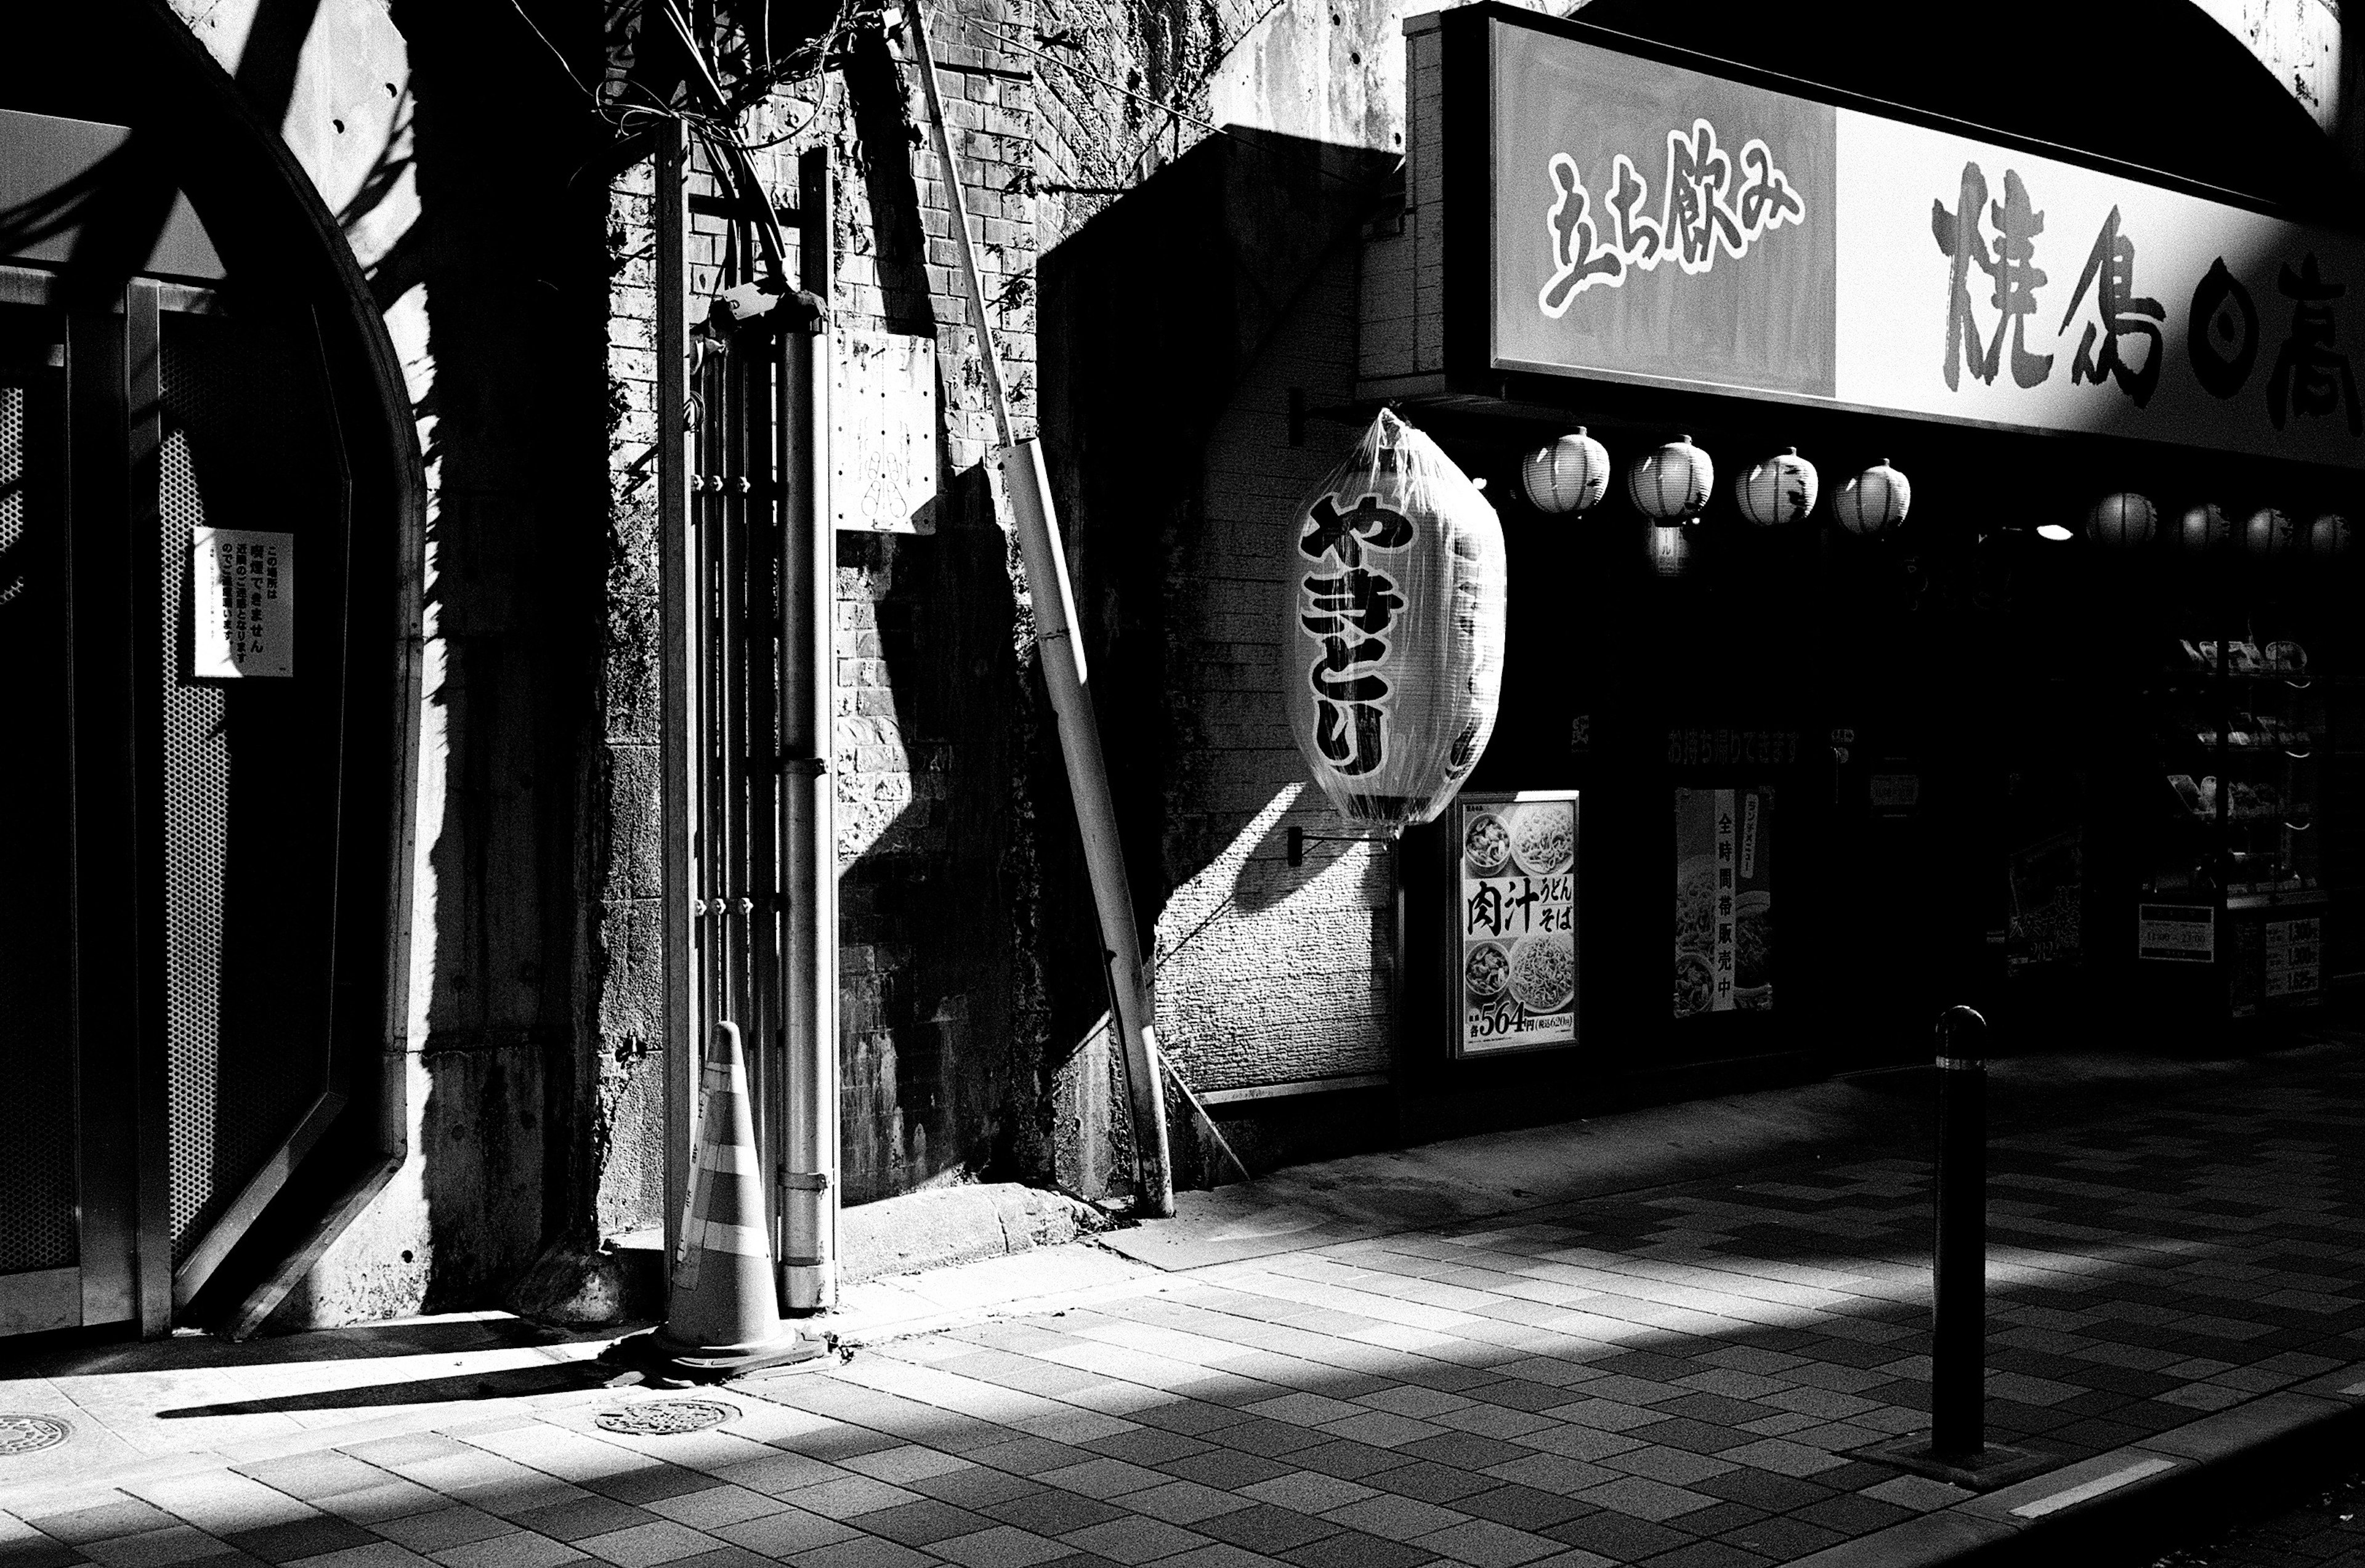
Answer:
[(244, 586), (882, 432)]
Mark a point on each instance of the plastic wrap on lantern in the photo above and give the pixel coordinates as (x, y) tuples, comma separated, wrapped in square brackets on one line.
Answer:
[(2122, 521), (2204, 530), (1780, 489), (1569, 475), (1874, 502), (2328, 537), (1392, 638), (2269, 534), (1671, 484)]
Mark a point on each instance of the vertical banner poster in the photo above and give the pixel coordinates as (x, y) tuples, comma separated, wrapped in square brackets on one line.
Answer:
[(1515, 887), (1724, 900)]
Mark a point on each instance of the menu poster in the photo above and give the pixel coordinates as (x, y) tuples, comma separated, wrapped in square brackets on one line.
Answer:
[(2049, 902), (1724, 900), (2294, 968), (1516, 882)]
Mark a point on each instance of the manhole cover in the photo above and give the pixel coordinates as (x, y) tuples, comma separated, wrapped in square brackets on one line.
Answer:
[(30, 1434), (664, 1417)]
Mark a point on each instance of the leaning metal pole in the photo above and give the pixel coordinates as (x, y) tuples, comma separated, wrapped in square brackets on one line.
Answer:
[(1033, 518)]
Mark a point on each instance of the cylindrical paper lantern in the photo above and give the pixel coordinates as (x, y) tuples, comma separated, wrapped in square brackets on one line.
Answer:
[(1673, 483), (1569, 475), (2269, 535), (2204, 530), (2328, 537), (1780, 489), (1874, 502), (2122, 521), (1392, 637), (1670, 549)]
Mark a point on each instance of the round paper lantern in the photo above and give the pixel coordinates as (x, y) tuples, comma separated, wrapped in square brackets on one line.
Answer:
[(1778, 490), (1569, 475), (1671, 484), (2204, 530), (1874, 502), (2269, 535), (1392, 636), (2124, 521), (2328, 537)]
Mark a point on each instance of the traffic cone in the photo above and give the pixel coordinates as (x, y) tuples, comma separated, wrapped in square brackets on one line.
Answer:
[(723, 1317)]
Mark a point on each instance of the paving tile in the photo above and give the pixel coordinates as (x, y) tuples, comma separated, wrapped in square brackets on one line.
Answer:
[(785, 1534), (650, 1484), (864, 1551), (1782, 1538), (1708, 1554), (1432, 1483), (1264, 1529), (1134, 1540), (715, 1506), (1349, 1550), (1523, 1507), (1483, 1543), (384, 1554), (128, 1517), (1621, 1537), (918, 1523), (517, 1549), (1052, 1511), (1782, 1457), (1226, 1468), (156, 1548), (584, 1517), (36, 1551), (645, 1546), (431, 1532), (299, 1539), (1002, 1547), (849, 1496), (1306, 1492)]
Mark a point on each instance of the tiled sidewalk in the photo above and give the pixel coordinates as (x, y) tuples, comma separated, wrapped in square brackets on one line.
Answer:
[(1673, 1376)]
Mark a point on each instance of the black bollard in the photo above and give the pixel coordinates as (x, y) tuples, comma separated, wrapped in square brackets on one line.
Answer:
[(1956, 1448), (1958, 1349)]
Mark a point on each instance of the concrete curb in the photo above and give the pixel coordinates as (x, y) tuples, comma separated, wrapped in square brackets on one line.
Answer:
[(2130, 1494)]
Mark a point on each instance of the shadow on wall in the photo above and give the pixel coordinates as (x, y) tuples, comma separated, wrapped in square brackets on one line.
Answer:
[(507, 252)]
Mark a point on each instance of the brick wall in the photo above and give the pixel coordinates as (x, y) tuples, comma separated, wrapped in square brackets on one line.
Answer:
[(1266, 974)]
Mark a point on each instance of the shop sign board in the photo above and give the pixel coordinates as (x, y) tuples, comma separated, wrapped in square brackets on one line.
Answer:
[(243, 599), (2177, 933), (1656, 224), (1724, 900), (1515, 887)]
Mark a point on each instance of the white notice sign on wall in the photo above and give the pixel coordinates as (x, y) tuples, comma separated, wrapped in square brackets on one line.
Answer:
[(244, 593)]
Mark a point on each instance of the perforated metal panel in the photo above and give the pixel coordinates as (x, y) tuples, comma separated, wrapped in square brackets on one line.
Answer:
[(196, 823), (249, 772), (36, 1107)]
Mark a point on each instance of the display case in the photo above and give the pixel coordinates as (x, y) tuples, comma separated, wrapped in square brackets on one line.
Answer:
[(2231, 878)]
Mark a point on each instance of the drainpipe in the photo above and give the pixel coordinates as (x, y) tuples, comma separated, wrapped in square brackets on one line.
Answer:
[(1027, 498), (676, 572), (808, 1196)]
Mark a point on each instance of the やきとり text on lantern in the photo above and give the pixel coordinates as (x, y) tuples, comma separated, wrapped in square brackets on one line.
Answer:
[(1392, 636)]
